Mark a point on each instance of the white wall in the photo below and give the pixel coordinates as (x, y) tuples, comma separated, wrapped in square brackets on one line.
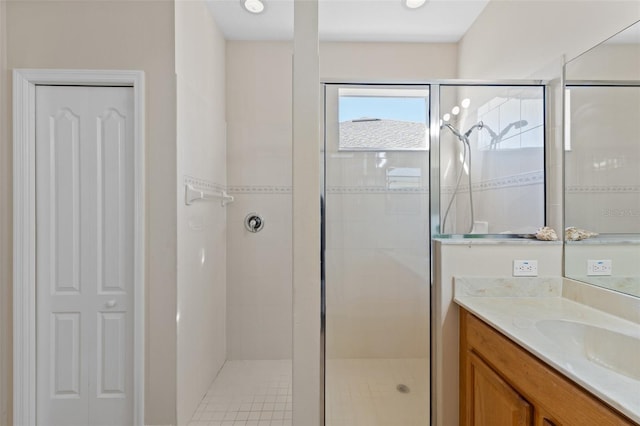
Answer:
[(513, 39), (202, 227), (624, 261), (259, 159), (387, 62), (116, 35), (472, 258)]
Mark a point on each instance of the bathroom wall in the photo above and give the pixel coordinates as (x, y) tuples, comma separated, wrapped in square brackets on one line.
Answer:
[(624, 262), (387, 62), (117, 35), (202, 226), (259, 177), (514, 39)]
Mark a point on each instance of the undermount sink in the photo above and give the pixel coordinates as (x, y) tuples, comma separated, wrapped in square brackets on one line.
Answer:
[(615, 351)]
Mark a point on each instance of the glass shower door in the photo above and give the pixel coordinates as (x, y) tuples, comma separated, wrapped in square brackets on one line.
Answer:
[(492, 159), (376, 234)]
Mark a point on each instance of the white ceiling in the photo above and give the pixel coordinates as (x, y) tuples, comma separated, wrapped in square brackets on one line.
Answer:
[(353, 20)]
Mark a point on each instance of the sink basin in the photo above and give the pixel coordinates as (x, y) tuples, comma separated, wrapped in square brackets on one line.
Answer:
[(615, 351)]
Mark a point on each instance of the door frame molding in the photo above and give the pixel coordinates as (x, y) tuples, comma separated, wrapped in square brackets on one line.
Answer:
[(24, 228)]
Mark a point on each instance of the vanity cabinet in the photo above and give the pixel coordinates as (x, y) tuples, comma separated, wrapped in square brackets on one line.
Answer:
[(502, 384)]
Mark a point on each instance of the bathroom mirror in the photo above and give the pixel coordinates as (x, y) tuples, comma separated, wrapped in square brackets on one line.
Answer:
[(602, 159)]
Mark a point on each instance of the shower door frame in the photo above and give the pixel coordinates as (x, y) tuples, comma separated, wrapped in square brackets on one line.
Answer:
[(434, 205)]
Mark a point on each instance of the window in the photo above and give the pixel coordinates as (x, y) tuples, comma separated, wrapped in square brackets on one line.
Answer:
[(383, 119)]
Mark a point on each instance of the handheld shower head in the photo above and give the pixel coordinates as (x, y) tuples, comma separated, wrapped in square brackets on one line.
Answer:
[(495, 138), (453, 130), (478, 126), (464, 137), (520, 123)]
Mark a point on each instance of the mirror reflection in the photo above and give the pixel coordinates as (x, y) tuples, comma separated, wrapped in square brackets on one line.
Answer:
[(602, 154)]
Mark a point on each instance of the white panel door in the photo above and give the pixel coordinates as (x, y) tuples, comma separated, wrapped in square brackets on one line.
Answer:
[(84, 255)]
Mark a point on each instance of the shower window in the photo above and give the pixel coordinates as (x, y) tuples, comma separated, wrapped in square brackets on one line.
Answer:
[(492, 159), (379, 119)]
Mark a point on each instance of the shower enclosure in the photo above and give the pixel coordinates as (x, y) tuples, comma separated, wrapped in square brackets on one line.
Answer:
[(398, 160), (376, 207), (491, 159)]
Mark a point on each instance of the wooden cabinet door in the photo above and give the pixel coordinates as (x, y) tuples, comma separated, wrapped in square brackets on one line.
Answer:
[(492, 401)]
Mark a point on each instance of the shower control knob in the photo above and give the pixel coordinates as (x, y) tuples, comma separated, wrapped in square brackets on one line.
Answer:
[(253, 222)]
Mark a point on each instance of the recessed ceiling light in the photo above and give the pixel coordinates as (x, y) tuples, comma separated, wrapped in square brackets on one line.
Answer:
[(455, 110), (466, 102), (414, 4), (253, 6), (446, 117)]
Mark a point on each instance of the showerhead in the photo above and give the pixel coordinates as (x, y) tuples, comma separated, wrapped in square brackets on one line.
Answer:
[(453, 130), (521, 123), (495, 138), (478, 126), (465, 137)]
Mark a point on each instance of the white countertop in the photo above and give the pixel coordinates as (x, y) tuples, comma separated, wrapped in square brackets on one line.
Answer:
[(516, 318), (459, 240)]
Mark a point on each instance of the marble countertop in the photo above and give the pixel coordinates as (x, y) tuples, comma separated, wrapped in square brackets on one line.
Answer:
[(500, 303)]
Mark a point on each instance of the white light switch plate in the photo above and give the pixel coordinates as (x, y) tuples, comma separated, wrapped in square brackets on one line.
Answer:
[(599, 267), (525, 268)]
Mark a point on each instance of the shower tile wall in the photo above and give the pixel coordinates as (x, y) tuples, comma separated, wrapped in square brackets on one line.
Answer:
[(602, 177), (259, 152)]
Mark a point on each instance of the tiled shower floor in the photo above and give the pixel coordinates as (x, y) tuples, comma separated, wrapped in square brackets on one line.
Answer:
[(248, 393), (364, 392), (359, 392)]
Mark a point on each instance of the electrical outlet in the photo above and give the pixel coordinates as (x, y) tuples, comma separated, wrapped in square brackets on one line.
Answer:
[(599, 267), (525, 268)]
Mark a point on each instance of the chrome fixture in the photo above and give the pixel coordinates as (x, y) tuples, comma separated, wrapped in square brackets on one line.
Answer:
[(253, 222), (466, 158), (496, 138)]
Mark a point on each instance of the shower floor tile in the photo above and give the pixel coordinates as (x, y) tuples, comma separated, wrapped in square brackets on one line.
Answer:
[(248, 393), (359, 392), (364, 392)]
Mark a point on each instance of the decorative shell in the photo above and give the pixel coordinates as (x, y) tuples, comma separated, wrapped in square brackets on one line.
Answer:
[(546, 234), (576, 234)]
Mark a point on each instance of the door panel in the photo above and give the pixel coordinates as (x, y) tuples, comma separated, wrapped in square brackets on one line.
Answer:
[(84, 255), (64, 195), (494, 402), (111, 355), (65, 355)]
